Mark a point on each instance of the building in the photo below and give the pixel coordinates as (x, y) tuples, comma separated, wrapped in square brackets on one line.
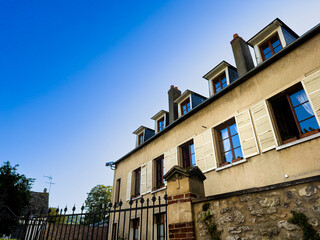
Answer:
[(259, 126)]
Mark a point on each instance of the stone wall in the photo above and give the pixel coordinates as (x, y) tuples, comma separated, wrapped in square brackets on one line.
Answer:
[(261, 213)]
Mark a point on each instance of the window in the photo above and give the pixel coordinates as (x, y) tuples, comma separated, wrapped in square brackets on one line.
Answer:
[(160, 124), (188, 154), (114, 232), (118, 184), (229, 143), (219, 83), (135, 226), (270, 47), (159, 167), (140, 139), (160, 221), (293, 114), (137, 179), (185, 106)]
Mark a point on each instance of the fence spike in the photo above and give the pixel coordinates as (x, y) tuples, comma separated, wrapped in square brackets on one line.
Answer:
[(153, 198), (65, 209), (142, 200), (74, 208), (130, 202)]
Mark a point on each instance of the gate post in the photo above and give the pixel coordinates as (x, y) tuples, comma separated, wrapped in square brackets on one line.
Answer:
[(183, 184)]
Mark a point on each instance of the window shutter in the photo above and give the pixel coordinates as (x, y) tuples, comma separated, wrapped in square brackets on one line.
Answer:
[(129, 186), (149, 176), (204, 150), (143, 181), (263, 125), (246, 134), (311, 85), (170, 159)]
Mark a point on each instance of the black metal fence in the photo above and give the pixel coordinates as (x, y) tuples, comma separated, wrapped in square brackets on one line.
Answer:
[(136, 219)]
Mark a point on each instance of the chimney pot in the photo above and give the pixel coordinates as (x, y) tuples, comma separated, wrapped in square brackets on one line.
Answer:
[(235, 35), (172, 86)]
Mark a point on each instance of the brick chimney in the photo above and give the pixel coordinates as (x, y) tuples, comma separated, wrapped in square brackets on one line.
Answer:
[(173, 94), (242, 55)]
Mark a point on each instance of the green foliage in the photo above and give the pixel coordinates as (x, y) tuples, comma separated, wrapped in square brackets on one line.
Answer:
[(301, 220), (209, 222), (97, 200), (55, 216), (14, 195)]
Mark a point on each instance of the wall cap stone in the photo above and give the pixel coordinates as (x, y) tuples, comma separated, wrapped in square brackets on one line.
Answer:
[(177, 172)]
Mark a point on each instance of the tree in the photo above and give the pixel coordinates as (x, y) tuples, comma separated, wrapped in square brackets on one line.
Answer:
[(98, 199), (14, 196)]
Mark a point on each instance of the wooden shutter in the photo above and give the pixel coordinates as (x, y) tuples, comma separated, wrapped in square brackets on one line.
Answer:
[(143, 180), (246, 134), (129, 187), (311, 85), (204, 150), (149, 176), (263, 125), (170, 159)]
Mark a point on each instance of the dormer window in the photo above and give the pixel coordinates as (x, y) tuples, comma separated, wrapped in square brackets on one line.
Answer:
[(185, 106), (220, 77), (270, 47), (219, 83), (160, 124), (140, 138)]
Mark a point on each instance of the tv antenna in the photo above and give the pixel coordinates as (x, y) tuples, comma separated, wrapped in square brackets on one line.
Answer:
[(50, 182)]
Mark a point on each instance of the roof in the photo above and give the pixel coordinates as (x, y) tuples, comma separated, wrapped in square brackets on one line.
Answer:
[(185, 94), (140, 129), (269, 29), (159, 114), (302, 39), (217, 69)]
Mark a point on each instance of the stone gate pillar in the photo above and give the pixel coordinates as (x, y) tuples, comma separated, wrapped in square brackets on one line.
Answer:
[(182, 186)]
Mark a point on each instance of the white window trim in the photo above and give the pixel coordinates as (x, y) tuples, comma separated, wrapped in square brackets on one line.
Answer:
[(211, 88), (158, 190), (231, 165), (302, 140), (179, 105), (156, 122)]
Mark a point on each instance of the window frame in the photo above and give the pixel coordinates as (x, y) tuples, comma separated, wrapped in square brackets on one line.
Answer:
[(160, 222), (182, 154), (185, 103), (140, 138), (159, 180), (118, 185), (268, 41), (161, 120), (136, 226), (137, 182), (227, 124), (219, 79)]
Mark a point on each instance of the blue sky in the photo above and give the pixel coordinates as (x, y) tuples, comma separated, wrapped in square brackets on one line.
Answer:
[(78, 77)]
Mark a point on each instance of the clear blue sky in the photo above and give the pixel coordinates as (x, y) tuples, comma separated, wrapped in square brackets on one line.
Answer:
[(78, 77)]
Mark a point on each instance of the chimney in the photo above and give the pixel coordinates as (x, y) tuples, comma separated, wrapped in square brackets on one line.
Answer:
[(173, 94), (242, 55)]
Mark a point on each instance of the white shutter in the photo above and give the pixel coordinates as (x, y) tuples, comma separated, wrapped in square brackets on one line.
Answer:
[(143, 180), (263, 125), (204, 150), (170, 159), (129, 186), (311, 85), (246, 134), (149, 176)]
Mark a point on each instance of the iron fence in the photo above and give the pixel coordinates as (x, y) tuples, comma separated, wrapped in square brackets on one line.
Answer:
[(137, 219)]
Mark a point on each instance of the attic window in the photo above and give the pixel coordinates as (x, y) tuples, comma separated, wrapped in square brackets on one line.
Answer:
[(185, 106), (219, 83), (160, 124), (270, 47), (140, 138)]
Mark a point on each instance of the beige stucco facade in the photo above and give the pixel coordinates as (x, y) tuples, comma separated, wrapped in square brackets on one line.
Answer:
[(276, 165)]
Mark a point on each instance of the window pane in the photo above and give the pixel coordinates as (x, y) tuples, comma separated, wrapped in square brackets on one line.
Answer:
[(275, 43), (224, 80), (309, 125), (188, 106), (298, 97), (233, 129), (218, 89), (193, 160), (277, 49), (266, 50), (235, 141), (228, 156), (238, 152), (304, 111), (224, 85), (226, 145), (224, 133), (268, 55)]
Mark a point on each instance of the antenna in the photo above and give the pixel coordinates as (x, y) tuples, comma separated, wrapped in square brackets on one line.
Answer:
[(50, 181)]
